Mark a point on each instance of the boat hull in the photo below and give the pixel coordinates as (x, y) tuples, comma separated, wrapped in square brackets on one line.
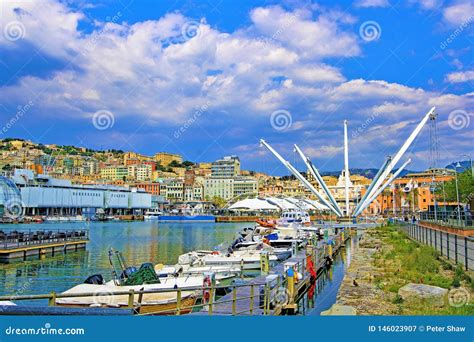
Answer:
[(187, 305)]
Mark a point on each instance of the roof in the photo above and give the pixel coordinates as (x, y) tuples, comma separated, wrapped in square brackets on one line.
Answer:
[(253, 204)]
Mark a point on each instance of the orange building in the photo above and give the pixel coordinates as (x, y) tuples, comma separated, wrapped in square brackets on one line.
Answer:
[(414, 192), (150, 187)]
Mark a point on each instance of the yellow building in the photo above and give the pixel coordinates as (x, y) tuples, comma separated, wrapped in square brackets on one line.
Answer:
[(165, 158), (114, 172)]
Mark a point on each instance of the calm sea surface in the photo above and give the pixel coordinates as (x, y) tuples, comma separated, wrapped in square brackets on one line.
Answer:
[(138, 241), (141, 242)]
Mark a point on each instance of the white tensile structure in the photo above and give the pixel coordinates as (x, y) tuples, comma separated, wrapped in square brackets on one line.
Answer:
[(276, 204), (379, 183)]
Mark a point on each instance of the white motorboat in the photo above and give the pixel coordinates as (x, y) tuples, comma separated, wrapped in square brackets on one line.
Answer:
[(221, 272), (246, 259), (151, 215)]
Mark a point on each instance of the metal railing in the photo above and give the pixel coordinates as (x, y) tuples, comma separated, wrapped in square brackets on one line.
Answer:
[(457, 248), (453, 218), (16, 239)]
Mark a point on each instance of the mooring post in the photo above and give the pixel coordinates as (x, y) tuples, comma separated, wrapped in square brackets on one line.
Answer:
[(289, 268), (52, 299), (131, 296), (234, 301), (208, 286), (264, 261), (252, 290), (178, 302)]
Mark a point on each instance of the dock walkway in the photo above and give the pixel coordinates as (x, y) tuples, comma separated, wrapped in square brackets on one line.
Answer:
[(250, 300), (22, 244)]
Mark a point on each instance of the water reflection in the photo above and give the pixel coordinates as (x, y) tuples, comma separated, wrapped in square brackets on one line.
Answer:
[(138, 241), (323, 292)]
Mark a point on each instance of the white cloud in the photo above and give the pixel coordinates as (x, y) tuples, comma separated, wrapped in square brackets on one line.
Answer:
[(148, 70), (326, 151), (372, 3), (459, 13), (460, 77), (310, 38)]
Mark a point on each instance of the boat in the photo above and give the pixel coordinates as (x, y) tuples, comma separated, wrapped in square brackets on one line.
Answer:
[(107, 295), (221, 272), (152, 215), (246, 259), (292, 218)]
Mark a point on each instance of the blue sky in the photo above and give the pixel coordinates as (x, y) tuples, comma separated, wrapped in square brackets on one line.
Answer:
[(209, 78)]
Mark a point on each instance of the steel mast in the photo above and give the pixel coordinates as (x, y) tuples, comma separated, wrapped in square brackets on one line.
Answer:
[(314, 171), (397, 157), (387, 183), (299, 176)]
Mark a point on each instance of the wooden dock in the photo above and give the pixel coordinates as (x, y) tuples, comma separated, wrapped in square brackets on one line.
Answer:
[(260, 297), (19, 245)]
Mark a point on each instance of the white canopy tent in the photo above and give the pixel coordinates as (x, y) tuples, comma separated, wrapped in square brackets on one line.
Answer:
[(253, 204), (315, 204), (282, 203)]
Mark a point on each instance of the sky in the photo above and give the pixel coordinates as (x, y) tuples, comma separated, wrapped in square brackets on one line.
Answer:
[(210, 78)]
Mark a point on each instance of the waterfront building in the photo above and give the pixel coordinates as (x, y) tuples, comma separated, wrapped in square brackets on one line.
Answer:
[(172, 189), (165, 158), (245, 186), (226, 167), (228, 188), (150, 187), (218, 187), (44, 195)]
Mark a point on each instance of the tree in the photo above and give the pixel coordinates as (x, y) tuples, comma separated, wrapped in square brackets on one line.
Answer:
[(219, 202), (174, 163), (465, 187), (187, 163)]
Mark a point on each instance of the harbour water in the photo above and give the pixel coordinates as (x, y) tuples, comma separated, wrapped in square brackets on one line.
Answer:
[(141, 242)]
